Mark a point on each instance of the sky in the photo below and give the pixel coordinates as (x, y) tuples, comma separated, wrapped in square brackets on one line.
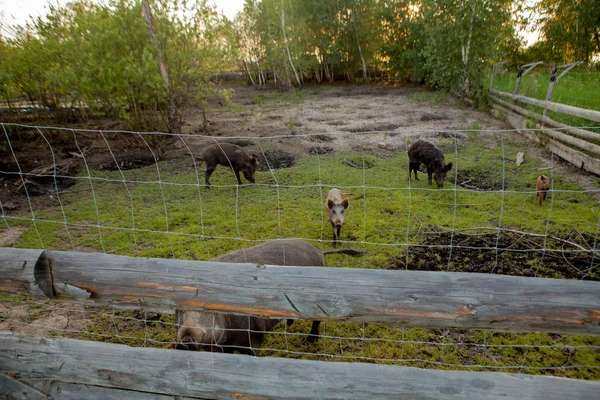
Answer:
[(18, 12)]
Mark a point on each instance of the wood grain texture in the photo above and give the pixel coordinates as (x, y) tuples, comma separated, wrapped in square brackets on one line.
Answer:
[(575, 157), (24, 271), (226, 376), (592, 115), (560, 135), (432, 299)]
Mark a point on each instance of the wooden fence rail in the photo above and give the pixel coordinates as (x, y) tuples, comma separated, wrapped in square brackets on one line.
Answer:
[(75, 369), (431, 299), (592, 115)]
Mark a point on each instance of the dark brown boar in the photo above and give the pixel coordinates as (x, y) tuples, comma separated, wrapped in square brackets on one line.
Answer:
[(422, 152), (227, 332), (542, 185), (229, 155)]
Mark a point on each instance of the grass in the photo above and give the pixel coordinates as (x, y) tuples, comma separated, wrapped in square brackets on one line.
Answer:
[(388, 216), (578, 87)]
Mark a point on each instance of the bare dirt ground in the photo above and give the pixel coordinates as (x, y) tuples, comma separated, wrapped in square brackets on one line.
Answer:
[(321, 119)]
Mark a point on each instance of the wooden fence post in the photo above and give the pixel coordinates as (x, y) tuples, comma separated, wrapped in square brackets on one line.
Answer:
[(524, 70), (554, 79)]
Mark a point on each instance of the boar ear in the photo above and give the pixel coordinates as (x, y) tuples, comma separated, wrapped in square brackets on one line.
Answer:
[(345, 203), (330, 204), (254, 160), (448, 167)]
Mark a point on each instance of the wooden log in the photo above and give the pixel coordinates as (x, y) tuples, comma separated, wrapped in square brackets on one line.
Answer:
[(420, 298), (226, 376), (592, 115), (25, 272), (565, 138), (40, 389), (577, 158)]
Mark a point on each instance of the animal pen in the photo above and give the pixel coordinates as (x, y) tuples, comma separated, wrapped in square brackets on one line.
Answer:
[(90, 285)]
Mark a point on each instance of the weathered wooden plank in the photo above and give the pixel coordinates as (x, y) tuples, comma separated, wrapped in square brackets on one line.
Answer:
[(11, 388), (582, 144), (41, 389), (432, 299), (575, 157), (584, 113), (214, 375), (25, 271)]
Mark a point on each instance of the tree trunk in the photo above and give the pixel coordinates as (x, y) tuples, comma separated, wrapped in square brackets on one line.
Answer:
[(286, 43), (172, 117), (465, 51), (364, 65), (248, 72)]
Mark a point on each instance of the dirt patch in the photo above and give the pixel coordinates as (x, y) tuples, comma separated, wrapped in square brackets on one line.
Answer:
[(510, 253), (359, 163), (323, 138), (11, 235), (433, 117), (276, 159), (321, 150), (130, 161), (373, 127), (44, 185), (477, 180), (337, 123)]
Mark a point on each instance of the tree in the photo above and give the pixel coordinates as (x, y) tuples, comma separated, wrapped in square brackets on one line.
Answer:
[(571, 28)]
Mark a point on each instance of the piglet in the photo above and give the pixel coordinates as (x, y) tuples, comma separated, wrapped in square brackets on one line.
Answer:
[(542, 185)]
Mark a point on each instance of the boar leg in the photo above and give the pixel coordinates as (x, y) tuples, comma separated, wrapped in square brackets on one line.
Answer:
[(335, 236), (314, 333), (429, 174), (237, 176), (413, 167), (207, 175)]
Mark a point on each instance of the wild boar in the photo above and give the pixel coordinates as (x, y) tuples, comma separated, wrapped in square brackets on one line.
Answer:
[(542, 184), (422, 152), (229, 155), (226, 332), (335, 205)]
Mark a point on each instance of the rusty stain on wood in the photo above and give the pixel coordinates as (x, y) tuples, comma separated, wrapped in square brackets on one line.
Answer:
[(261, 312), (245, 396), (169, 288)]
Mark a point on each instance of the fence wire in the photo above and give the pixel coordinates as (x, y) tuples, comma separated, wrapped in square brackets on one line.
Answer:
[(143, 194)]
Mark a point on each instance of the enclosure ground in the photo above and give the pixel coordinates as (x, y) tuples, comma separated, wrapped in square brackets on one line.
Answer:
[(351, 137)]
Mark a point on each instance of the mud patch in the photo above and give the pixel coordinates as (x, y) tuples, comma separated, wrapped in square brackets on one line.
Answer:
[(478, 180), (337, 123), (131, 161), (372, 128), (433, 117), (511, 253), (44, 185), (321, 150), (359, 163), (276, 159), (323, 138)]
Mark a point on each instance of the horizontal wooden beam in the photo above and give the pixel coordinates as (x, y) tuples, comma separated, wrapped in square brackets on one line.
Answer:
[(40, 389), (226, 376), (584, 113), (432, 299), (573, 156), (560, 135)]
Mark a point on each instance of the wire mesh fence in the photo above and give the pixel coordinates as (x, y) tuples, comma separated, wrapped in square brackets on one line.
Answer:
[(143, 194)]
